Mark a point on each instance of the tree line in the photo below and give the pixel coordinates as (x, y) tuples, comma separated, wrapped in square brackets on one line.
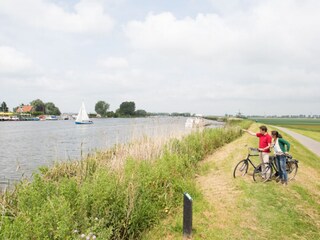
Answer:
[(126, 109)]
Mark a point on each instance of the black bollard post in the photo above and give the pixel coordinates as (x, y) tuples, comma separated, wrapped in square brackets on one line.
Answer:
[(187, 215)]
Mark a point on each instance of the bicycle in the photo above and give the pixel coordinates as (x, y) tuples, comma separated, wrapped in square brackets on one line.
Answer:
[(291, 167), (260, 173), (265, 171)]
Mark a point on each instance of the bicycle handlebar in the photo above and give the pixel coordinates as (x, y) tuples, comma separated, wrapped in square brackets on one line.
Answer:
[(254, 149), (288, 155)]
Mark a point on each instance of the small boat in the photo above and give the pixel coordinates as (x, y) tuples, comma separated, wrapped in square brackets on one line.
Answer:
[(196, 122), (51, 117), (83, 117), (189, 123)]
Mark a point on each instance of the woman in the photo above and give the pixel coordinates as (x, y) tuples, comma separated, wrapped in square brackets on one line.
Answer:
[(281, 147)]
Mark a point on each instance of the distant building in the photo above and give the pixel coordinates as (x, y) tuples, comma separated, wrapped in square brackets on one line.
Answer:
[(25, 109), (240, 115)]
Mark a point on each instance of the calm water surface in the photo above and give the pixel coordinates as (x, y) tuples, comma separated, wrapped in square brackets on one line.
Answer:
[(24, 146)]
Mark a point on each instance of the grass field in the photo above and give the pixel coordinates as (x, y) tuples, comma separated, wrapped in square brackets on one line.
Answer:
[(288, 121), (307, 127), (230, 208)]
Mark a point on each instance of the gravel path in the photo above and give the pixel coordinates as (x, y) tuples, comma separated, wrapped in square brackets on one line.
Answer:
[(309, 143)]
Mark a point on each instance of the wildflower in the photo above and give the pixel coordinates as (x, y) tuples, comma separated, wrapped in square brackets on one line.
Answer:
[(82, 235), (94, 237), (75, 231)]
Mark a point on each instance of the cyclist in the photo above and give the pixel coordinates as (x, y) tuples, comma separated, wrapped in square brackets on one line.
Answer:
[(281, 148), (264, 144)]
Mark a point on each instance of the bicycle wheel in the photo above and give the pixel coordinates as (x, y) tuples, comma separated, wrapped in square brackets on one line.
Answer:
[(241, 169), (262, 172), (291, 168)]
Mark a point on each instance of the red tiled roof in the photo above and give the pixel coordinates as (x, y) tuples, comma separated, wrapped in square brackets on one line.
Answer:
[(24, 109)]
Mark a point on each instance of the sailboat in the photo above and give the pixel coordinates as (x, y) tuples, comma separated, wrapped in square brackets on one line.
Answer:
[(83, 117)]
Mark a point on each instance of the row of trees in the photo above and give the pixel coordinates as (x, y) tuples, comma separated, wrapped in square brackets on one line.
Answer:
[(126, 109), (40, 107), (48, 108)]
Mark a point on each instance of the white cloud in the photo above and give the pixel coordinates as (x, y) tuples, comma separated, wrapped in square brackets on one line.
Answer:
[(270, 31), (271, 47), (88, 16), (13, 61), (166, 34), (114, 63)]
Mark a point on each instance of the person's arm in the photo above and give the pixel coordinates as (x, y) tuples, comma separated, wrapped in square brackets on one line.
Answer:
[(286, 143), (266, 148), (251, 133)]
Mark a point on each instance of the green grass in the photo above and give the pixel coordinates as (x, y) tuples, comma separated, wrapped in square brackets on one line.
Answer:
[(288, 121), (307, 127), (255, 211), (86, 197)]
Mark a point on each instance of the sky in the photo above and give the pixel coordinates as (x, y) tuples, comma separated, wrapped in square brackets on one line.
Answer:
[(200, 56)]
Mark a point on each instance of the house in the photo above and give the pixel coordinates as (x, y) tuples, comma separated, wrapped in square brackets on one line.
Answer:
[(25, 109)]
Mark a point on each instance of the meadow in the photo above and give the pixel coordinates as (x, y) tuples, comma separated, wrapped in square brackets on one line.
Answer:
[(307, 127), (120, 193)]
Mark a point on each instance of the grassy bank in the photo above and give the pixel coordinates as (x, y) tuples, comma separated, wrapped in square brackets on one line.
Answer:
[(230, 208), (117, 194)]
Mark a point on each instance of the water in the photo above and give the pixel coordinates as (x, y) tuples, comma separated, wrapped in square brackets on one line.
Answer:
[(24, 146)]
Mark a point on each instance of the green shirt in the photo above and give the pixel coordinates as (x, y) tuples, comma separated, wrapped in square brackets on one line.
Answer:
[(284, 145)]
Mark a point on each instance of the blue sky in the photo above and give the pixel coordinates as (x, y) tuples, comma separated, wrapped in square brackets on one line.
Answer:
[(209, 56)]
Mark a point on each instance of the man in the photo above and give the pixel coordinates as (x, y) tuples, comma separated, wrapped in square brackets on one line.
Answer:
[(264, 143)]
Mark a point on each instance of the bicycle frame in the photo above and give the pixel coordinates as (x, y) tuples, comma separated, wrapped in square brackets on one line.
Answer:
[(251, 155)]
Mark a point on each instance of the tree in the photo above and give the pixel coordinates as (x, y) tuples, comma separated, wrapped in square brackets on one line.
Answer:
[(51, 109), (140, 113), (110, 114), (102, 108), (4, 107), (127, 108), (38, 105)]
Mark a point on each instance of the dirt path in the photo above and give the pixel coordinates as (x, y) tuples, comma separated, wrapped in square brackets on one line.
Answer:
[(220, 190), (309, 143)]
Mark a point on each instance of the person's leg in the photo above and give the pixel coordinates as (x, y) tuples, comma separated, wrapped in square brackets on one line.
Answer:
[(262, 165), (283, 169), (278, 166), (265, 157)]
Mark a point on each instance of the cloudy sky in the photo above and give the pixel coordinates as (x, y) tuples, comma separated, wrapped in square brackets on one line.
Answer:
[(200, 56)]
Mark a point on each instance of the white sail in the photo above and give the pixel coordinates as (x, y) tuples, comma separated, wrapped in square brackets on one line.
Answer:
[(82, 115)]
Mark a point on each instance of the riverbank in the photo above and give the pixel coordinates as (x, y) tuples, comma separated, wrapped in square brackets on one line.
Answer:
[(118, 201)]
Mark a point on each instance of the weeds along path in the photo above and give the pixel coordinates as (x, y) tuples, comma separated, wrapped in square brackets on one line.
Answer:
[(217, 186), (222, 193)]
